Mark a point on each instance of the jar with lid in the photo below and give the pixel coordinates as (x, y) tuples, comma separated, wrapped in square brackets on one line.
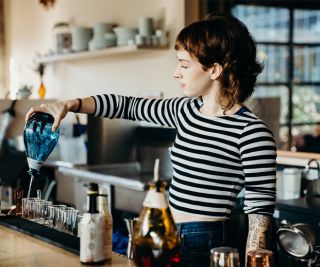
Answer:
[(61, 38)]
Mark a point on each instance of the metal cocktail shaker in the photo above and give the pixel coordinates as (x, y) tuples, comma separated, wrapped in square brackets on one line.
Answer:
[(260, 258), (224, 257)]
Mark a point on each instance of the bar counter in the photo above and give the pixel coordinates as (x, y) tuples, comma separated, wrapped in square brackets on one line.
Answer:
[(20, 250)]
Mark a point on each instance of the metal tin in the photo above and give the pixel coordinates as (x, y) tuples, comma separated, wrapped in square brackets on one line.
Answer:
[(260, 258), (224, 257)]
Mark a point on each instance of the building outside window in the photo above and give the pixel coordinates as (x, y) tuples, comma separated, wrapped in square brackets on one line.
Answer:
[(288, 42)]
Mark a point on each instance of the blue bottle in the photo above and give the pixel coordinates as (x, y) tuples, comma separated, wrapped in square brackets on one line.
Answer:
[(39, 140)]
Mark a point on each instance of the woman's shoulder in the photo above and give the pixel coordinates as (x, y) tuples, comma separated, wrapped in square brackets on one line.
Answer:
[(250, 117), (253, 122)]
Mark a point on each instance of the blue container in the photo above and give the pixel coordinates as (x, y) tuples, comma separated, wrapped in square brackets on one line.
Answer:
[(39, 139)]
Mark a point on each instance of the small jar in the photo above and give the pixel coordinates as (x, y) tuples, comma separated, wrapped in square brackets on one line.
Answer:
[(61, 38)]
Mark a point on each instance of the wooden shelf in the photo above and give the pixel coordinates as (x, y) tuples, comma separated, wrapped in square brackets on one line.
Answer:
[(94, 54)]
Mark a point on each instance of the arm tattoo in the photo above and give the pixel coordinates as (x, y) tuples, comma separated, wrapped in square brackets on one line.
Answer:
[(259, 232)]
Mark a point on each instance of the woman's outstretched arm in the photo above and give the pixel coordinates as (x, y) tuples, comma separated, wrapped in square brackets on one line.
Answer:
[(60, 109)]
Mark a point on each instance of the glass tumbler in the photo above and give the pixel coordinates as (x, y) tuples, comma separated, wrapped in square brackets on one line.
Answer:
[(54, 215), (25, 207), (64, 222), (74, 222), (32, 206), (42, 211)]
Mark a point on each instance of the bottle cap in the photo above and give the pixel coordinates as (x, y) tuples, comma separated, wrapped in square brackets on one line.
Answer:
[(93, 189)]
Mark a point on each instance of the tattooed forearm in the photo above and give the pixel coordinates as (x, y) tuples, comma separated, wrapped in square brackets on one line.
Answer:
[(259, 232)]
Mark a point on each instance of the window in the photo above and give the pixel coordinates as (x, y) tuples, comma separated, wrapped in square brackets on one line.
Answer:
[(288, 44)]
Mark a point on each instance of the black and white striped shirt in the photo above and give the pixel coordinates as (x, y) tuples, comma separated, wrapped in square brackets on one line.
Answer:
[(213, 158)]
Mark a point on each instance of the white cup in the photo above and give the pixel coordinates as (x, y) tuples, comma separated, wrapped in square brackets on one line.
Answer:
[(80, 38), (291, 183), (145, 26)]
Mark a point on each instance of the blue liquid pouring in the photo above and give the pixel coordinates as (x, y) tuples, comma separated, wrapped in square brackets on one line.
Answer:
[(39, 141)]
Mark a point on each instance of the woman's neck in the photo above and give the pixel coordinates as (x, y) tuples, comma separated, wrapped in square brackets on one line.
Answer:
[(211, 107)]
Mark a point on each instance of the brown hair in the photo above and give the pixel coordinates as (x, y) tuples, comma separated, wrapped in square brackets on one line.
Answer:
[(224, 40)]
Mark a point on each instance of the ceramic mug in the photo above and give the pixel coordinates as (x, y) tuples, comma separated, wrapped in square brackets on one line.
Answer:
[(145, 26)]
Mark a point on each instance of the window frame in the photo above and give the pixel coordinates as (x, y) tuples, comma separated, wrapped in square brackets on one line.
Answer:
[(291, 83)]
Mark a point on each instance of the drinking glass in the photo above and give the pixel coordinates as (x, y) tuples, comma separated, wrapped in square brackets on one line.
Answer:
[(25, 207), (74, 222), (54, 215), (32, 204), (42, 211), (64, 221)]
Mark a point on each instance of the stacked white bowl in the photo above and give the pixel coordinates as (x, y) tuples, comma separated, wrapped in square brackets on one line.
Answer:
[(102, 36), (125, 35), (145, 25), (80, 38)]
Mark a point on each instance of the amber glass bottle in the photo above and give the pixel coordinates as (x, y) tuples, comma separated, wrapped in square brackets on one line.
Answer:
[(155, 238), (104, 210), (42, 88)]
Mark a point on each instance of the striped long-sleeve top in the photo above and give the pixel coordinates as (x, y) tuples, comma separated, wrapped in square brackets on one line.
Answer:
[(213, 158)]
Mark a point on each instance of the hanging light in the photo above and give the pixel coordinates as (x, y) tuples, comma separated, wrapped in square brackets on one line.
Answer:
[(47, 3)]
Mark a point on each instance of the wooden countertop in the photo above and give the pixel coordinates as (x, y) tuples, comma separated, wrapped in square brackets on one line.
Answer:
[(298, 159), (19, 250)]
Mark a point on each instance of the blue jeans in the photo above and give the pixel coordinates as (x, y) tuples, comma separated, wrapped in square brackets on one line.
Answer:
[(197, 238)]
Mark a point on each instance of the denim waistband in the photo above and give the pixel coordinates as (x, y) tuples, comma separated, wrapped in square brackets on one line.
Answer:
[(191, 226)]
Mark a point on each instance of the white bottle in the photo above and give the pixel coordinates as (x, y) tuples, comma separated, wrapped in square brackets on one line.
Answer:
[(92, 227), (104, 210)]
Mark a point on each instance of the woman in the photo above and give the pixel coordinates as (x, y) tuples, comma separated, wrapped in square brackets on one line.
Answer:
[(220, 146)]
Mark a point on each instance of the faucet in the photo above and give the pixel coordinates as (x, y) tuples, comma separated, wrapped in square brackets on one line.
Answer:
[(304, 178), (307, 167)]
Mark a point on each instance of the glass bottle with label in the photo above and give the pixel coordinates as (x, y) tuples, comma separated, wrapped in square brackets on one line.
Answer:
[(39, 141), (17, 200), (104, 211), (155, 238), (92, 230)]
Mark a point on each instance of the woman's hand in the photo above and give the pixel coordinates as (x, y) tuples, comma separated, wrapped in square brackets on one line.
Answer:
[(58, 110)]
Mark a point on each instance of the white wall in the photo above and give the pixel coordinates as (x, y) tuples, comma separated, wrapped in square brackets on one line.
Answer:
[(28, 26)]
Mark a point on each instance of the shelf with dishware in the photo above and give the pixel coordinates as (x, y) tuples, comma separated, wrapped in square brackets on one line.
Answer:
[(117, 50)]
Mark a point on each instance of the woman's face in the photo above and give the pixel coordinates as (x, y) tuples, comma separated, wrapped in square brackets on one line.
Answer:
[(193, 80)]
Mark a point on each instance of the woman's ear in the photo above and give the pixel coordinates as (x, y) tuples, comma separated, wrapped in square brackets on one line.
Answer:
[(216, 71)]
